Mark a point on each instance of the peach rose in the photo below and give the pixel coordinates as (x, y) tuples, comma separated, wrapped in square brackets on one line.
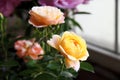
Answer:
[(45, 15), (72, 47), (28, 48)]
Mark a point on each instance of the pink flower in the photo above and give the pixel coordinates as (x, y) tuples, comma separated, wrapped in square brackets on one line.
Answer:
[(65, 4), (27, 48), (7, 7)]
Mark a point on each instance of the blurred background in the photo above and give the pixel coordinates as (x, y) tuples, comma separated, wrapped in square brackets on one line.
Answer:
[(101, 29)]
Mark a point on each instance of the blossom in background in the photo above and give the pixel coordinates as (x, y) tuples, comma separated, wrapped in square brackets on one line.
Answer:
[(7, 7), (86, 1), (45, 15), (65, 4), (29, 48), (72, 47)]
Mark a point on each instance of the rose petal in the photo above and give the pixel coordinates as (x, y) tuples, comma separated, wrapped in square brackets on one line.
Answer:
[(66, 54), (72, 64), (54, 41), (85, 57)]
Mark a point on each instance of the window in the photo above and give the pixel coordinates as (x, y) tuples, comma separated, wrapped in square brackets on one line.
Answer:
[(101, 26), (119, 23)]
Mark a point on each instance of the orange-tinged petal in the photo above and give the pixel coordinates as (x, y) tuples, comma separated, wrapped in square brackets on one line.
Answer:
[(35, 51), (37, 20), (20, 54)]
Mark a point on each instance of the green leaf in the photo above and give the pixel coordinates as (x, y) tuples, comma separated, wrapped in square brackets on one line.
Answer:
[(9, 63), (87, 66), (66, 74), (75, 23), (46, 76), (82, 13), (54, 65), (31, 63), (73, 72), (28, 72), (64, 78), (48, 58)]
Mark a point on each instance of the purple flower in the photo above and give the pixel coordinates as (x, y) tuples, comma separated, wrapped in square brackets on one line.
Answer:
[(86, 1), (65, 4), (7, 7), (47, 2)]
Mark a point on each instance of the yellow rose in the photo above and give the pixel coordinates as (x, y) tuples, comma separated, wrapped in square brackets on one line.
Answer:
[(45, 15), (72, 47)]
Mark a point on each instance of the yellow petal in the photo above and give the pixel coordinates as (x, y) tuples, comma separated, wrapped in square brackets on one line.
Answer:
[(84, 57), (66, 54)]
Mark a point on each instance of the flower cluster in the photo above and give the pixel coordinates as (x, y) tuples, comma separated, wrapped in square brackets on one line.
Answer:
[(45, 48), (28, 48)]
